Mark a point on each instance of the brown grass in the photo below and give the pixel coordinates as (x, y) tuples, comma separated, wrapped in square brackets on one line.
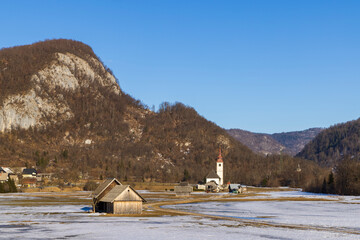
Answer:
[(151, 186), (51, 189)]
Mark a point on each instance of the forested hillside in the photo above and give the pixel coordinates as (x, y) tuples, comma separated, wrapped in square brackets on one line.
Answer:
[(334, 144), (337, 147), (69, 116)]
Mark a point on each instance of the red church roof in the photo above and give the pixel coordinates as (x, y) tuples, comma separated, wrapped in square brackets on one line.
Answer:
[(219, 159)]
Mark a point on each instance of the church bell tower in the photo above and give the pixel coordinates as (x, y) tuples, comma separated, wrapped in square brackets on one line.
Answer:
[(220, 168)]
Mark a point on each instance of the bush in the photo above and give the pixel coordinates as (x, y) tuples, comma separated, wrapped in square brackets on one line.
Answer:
[(8, 186), (90, 186)]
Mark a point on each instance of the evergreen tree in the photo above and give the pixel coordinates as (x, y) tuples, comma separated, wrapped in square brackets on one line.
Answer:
[(2, 190), (331, 183), (324, 187), (12, 186), (186, 175)]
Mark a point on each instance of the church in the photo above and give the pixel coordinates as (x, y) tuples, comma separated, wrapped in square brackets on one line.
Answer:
[(218, 176)]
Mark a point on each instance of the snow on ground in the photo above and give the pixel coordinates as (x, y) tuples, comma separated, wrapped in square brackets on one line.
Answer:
[(39, 224), (299, 193), (338, 214), (315, 213), (67, 220)]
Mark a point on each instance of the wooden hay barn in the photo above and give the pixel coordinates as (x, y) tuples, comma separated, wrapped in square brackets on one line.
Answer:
[(113, 197), (183, 189)]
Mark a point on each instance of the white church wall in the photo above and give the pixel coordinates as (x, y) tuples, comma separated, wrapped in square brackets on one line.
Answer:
[(213, 179)]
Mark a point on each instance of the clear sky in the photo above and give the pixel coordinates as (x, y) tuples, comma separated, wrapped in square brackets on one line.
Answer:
[(263, 66)]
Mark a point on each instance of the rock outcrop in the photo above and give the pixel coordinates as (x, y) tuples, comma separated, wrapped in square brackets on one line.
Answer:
[(36, 108)]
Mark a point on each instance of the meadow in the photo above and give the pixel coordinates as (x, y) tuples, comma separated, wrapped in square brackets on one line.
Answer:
[(259, 214)]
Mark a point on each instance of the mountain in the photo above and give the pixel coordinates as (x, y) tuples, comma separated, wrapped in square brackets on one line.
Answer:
[(258, 142), (40, 83), (286, 142), (63, 111), (296, 141), (334, 144)]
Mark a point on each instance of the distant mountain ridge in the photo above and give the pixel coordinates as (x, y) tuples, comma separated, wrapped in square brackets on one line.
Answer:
[(286, 142), (258, 142)]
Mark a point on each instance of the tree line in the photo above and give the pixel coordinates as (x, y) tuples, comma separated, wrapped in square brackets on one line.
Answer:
[(344, 179)]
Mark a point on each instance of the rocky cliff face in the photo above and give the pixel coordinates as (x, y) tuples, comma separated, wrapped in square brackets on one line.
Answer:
[(23, 111), (42, 104)]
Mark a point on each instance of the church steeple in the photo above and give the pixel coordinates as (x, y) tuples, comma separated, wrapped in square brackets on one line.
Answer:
[(219, 159), (220, 167)]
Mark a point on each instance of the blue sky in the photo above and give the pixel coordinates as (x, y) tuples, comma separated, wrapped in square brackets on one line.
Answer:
[(263, 66)]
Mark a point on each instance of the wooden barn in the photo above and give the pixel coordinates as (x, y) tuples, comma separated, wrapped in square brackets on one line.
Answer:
[(184, 189), (113, 197)]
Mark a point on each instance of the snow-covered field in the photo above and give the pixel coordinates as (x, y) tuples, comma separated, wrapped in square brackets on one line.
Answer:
[(342, 212), (29, 216)]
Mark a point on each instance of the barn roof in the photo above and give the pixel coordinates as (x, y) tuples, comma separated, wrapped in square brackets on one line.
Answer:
[(116, 191), (183, 189), (184, 184), (212, 174), (234, 186), (103, 186)]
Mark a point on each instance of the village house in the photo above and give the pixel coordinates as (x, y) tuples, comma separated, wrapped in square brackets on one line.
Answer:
[(44, 176), (200, 187), (3, 177), (5, 174), (184, 189), (28, 182), (29, 173), (237, 188), (6, 170), (113, 197)]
